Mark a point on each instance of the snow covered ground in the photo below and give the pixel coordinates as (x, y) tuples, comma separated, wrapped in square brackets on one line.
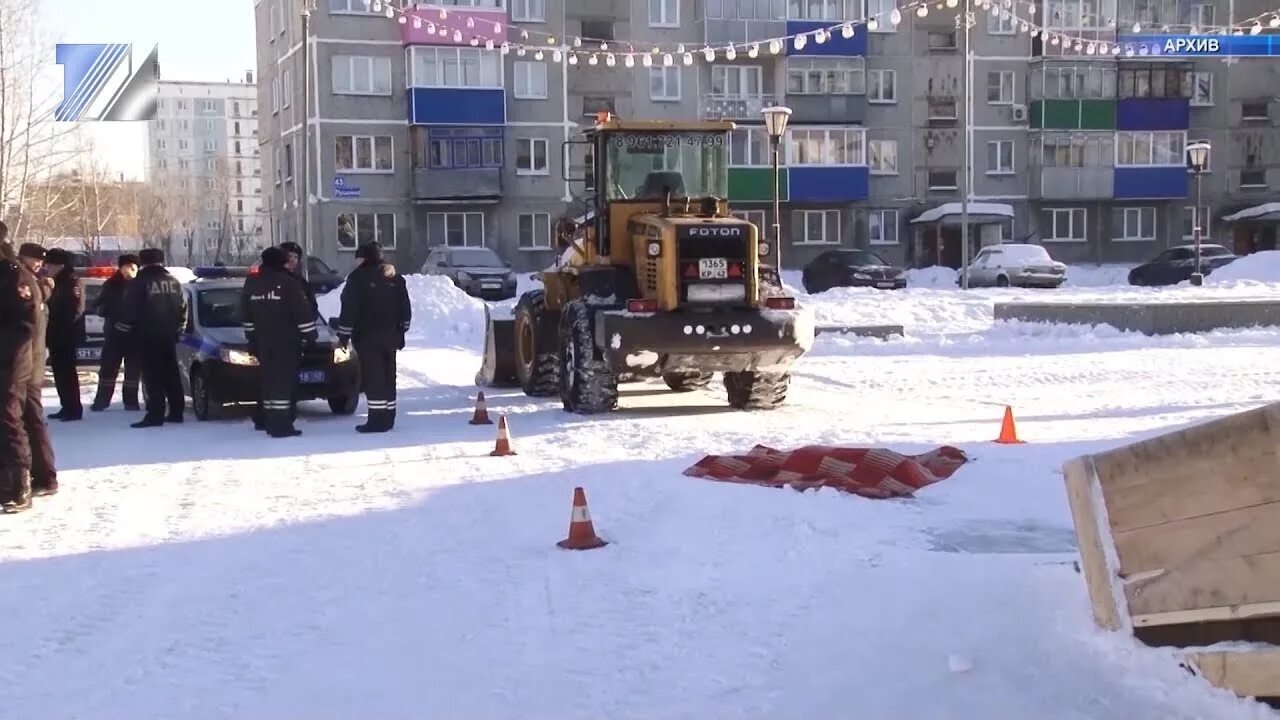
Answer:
[(204, 571)]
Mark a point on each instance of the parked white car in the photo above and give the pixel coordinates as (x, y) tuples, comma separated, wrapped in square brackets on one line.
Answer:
[(1016, 265)]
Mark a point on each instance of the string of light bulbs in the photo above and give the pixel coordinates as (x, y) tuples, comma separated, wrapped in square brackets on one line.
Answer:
[(650, 53)]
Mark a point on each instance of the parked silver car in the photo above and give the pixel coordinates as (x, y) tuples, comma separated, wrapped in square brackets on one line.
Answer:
[(1016, 265), (478, 271)]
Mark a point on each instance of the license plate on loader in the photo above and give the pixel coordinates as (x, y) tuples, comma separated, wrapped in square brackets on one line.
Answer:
[(713, 269)]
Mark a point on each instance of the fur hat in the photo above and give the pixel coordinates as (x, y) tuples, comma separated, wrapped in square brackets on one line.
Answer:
[(151, 256), (31, 250), (292, 247), (57, 256), (273, 257), (371, 251), (127, 259)]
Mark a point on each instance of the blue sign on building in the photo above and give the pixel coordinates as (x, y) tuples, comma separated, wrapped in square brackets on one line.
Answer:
[(343, 190)]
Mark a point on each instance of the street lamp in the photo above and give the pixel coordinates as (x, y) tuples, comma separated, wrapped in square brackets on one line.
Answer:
[(306, 8), (775, 123), (1198, 162)]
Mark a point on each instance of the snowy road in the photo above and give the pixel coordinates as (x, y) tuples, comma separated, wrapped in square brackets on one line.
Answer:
[(203, 571)]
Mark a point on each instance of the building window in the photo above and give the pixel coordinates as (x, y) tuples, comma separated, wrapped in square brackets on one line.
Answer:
[(593, 105), (943, 179), (160, 144), (942, 40), (826, 146), (534, 231), (361, 75), (363, 153), (1254, 110), (815, 227), (597, 30), (1155, 81), (1073, 14), (880, 10), (531, 156), (455, 229), (1201, 16), (664, 84), (356, 229), (275, 95), (207, 105), (1162, 147), (452, 67), (460, 153), (882, 227), (1189, 217), (288, 161), (1063, 224), (531, 80), (1000, 21), (755, 217), (737, 81), (350, 6), (1201, 88), (210, 146), (835, 10), (825, 76), (943, 108), (1253, 178), (286, 88), (1000, 157), (882, 86), (1000, 87), (529, 10), (1133, 223), (1078, 83), (884, 157), (749, 147), (1075, 150), (664, 13)]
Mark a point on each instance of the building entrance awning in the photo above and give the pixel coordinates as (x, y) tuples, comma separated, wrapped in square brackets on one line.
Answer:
[(980, 213), (1266, 212)]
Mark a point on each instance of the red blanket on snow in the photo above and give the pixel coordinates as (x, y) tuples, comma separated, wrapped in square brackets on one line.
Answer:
[(869, 472)]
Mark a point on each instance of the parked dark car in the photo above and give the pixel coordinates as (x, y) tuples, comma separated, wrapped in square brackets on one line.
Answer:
[(1177, 264), (477, 270), (851, 268)]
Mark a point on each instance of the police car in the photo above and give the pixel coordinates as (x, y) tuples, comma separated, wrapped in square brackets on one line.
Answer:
[(89, 352), (219, 372)]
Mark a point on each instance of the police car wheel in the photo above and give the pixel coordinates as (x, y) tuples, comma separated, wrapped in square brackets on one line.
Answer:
[(204, 403), (344, 404)]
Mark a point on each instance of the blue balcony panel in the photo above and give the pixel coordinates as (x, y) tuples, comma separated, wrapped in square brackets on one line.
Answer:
[(825, 184), (836, 46), (1151, 183), (457, 106), (1153, 114)]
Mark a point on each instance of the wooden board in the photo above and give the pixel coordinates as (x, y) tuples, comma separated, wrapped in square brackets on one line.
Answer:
[(1079, 477), (1234, 533), (1252, 673)]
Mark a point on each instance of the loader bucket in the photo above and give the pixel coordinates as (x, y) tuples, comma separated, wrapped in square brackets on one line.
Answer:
[(498, 369)]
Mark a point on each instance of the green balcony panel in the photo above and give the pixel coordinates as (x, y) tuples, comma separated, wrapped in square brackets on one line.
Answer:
[(1073, 114), (752, 184)]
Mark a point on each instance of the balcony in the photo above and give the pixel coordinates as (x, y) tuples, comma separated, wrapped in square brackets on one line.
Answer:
[(424, 26), (837, 45), (456, 184), (720, 106), (725, 31), (834, 109), (457, 106), (1077, 183), (1153, 113), (1073, 115), (755, 184), (1151, 182)]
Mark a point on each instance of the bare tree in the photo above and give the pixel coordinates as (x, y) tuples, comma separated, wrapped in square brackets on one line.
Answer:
[(31, 144)]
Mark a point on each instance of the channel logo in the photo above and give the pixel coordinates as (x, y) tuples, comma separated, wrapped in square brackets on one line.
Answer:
[(101, 83)]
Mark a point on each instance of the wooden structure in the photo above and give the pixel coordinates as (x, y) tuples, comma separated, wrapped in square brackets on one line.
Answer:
[(1180, 543)]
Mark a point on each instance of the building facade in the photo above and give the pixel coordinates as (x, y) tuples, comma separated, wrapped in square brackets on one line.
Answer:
[(204, 154), (423, 131)]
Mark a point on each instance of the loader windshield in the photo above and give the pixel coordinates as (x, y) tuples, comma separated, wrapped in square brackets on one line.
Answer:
[(645, 166)]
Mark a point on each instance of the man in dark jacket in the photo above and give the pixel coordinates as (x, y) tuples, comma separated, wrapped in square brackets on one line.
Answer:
[(115, 351), (66, 332), (375, 317), (293, 263), (17, 325), (153, 317), (278, 323), (44, 476)]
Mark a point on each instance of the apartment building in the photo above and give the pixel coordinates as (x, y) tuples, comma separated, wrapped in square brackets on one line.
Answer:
[(203, 148), (423, 131)]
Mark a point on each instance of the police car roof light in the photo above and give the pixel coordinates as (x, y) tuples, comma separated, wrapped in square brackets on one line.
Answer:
[(99, 272), (219, 271)]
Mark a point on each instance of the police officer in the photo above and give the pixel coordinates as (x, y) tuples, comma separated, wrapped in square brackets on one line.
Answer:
[(115, 350), (44, 476), (375, 317), (153, 317), (278, 322), (293, 263), (65, 332)]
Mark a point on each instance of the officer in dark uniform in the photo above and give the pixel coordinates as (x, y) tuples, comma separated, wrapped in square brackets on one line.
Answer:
[(115, 350), (153, 317), (278, 324), (17, 325), (66, 332), (293, 263), (44, 475), (375, 317)]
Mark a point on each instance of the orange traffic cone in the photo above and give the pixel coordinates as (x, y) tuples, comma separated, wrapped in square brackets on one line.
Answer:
[(481, 416), (1008, 429), (503, 446), (582, 534)]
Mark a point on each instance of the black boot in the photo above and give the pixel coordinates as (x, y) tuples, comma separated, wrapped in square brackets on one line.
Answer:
[(379, 422), (16, 492), (99, 405), (44, 488), (148, 422), (130, 398), (287, 433)]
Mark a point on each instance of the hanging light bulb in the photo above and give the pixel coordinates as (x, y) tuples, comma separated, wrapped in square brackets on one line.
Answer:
[(504, 48), (444, 14), (488, 44), (610, 60), (1103, 48), (820, 36), (647, 60), (538, 55), (402, 20), (573, 58), (1078, 46), (1128, 52), (457, 36), (520, 51), (442, 31), (1257, 28), (1023, 27), (577, 42), (775, 47), (799, 41), (389, 12), (471, 22), (1091, 49), (475, 41), (629, 60), (1035, 32), (1274, 21), (377, 6), (417, 23), (952, 3), (922, 11), (556, 55), (592, 60), (753, 51), (873, 24), (551, 39), (688, 58), (604, 46), (895, 17), (1137, 27), (731, 53), (847, 30), (497, 28), (1054, 40), (667, 60), (524, 34), (680, 49), (708, 54)]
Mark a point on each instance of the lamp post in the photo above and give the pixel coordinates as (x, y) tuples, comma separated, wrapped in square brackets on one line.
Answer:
[(775, 123), (1198, 162), (306, 8)]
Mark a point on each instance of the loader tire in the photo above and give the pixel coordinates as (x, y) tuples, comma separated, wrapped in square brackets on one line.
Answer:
[(756, 390), (537, 368), (687, 381), (588, 385)]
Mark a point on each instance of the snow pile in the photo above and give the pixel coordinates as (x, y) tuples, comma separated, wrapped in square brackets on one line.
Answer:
[(1097, 275), (937, 276), (1262, 267), (443, 315)]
